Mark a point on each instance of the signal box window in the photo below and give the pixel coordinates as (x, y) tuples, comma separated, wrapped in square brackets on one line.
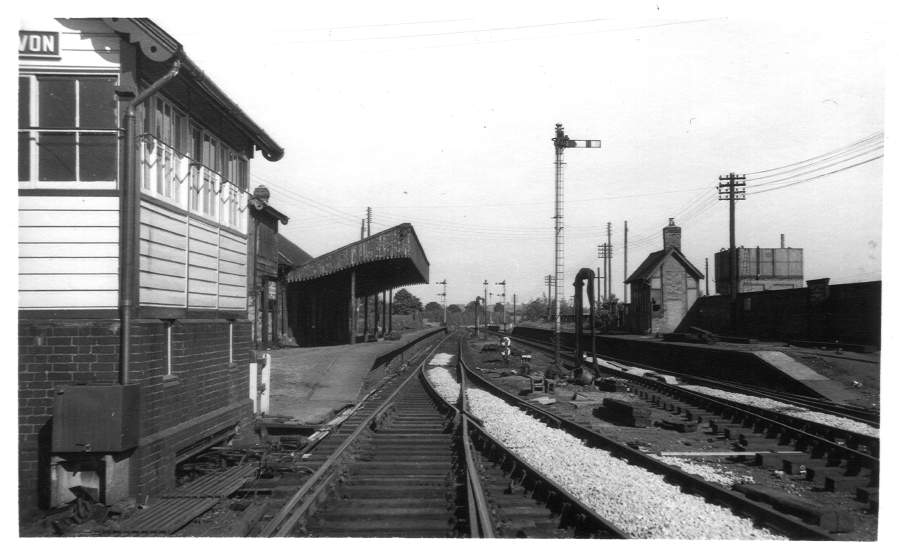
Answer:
[(67, 129)]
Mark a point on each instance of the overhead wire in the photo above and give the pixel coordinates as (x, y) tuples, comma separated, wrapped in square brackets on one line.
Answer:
[(809, 179), (877, 135), (816, 168)]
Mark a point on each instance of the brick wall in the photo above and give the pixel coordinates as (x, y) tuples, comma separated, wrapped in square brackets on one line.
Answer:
[(51, 354), (205, 394), (674, 297)]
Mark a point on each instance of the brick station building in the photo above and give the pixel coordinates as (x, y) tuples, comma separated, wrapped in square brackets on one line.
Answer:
[(664, 287), (134, 334)]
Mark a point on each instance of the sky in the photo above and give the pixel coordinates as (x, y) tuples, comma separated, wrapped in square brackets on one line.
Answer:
[(442, 116)]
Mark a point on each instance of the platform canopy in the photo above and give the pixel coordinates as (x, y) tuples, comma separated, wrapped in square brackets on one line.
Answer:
[(389, 259)]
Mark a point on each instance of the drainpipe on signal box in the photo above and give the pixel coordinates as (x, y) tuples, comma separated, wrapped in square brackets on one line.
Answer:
[(130, 224)]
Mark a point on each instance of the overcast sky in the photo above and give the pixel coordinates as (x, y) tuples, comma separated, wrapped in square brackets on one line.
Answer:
[(442, 117)]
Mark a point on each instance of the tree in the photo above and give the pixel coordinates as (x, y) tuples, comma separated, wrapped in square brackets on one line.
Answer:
[(498, 308), (434, 311), (405, 303), (534, 310), (453, 308)]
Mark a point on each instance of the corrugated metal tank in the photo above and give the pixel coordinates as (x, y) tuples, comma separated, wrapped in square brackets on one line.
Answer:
[(775, 267)]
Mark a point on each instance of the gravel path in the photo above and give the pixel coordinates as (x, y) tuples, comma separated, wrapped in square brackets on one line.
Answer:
[(790, 410), (637, 501)]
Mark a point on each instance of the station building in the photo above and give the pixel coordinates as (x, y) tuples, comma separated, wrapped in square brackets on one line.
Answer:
[(265, 295), (664, 287), (134, 333)]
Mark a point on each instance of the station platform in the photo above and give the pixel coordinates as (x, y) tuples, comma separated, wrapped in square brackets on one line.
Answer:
[(310, 385), (773, 365)]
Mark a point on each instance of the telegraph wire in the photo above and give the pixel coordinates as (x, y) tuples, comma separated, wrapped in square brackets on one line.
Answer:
[(878, 135), (816, 169), (818, 176)]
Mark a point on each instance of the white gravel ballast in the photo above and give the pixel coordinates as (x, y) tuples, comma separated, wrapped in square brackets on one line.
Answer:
[(441, 359), (790, 410), (637, 501)]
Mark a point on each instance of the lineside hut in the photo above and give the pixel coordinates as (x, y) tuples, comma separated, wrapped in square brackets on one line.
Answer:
[(324, 293), (663, 288), (133, 332)]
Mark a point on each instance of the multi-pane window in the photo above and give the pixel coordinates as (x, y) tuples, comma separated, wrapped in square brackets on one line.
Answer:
[(67, 129), (162, 173), (188, 165)]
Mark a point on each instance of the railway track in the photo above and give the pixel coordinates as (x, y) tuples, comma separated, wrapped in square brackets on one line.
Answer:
[(860, 414), (415, 465), (833, 459), (833, 438), (408, 463), (288, 485), (763, 515)]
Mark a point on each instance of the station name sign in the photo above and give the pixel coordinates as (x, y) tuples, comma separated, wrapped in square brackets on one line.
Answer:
[(39, 44)]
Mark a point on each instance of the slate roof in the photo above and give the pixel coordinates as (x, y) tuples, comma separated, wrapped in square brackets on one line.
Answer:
[(290, 254), (652, 262)]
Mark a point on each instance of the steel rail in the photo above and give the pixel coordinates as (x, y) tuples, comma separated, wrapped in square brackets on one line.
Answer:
[(792, 423), (480, 524), (282, 523), (574, 505), (690, 483), (817, 404)]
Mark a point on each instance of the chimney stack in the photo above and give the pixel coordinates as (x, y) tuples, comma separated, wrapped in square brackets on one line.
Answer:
[(671, 235), (782, 246)]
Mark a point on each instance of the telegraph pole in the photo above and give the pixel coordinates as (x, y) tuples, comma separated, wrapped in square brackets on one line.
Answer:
[(443, 295), (514, 308), (624, 280), (727, 190), (706, 276), (607, 270), (561, 141), (609, 257), (486, 317), (602, 252), (503, 295), (476, 300)]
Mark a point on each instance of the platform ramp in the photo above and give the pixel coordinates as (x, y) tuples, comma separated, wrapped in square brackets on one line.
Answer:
[(814, 381)]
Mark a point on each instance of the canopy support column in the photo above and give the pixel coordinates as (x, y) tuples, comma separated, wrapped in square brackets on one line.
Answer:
[(390, 313), (352, 313), (375, 330)]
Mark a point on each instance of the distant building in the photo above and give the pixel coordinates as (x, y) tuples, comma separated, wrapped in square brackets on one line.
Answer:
[(760, 269), (263, 301), (664, 286)]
